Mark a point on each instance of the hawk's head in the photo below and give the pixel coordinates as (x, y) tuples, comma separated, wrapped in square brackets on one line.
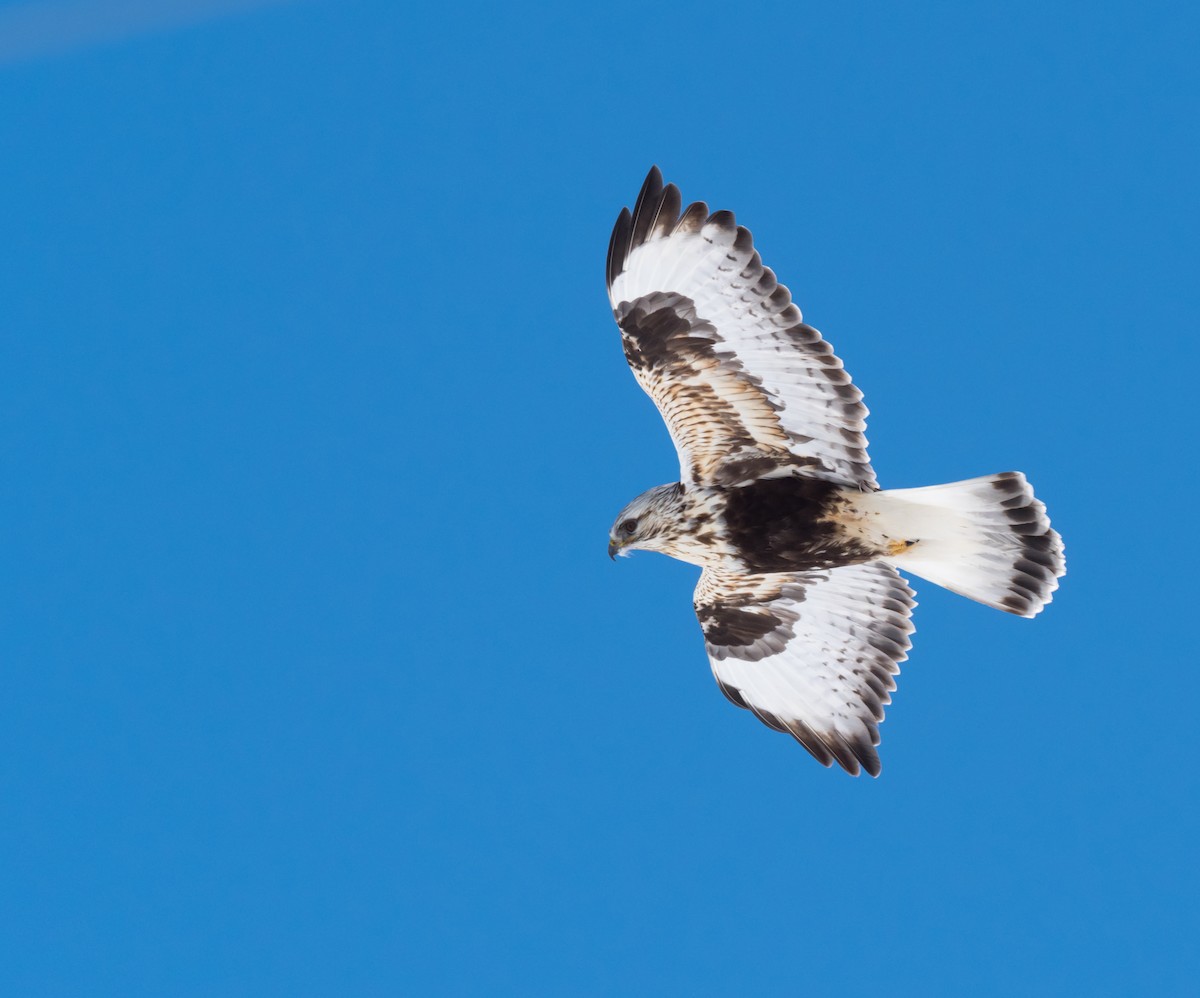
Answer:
[(665, 519), (649, 523)]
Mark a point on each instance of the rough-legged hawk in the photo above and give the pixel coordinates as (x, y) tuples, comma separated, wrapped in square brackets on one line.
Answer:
[(804, 613)]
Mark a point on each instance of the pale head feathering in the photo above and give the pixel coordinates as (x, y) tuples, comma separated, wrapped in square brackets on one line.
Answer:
[(671, 519)]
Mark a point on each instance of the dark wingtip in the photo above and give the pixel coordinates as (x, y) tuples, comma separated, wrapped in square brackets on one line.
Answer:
[(618, 246), (694, 218), (733, 695), (866, 754), (668, 211), (725, 219), (657, 208), (647, 199), (655, 212)]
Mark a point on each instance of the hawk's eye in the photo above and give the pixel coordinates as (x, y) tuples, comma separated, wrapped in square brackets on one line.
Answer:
[(629, 526)]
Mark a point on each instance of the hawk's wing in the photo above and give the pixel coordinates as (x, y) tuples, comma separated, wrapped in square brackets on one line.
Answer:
[(746, 388), (811, 654)]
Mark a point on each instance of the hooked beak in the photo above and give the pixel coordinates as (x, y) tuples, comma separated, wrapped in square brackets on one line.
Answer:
[(613, 548)]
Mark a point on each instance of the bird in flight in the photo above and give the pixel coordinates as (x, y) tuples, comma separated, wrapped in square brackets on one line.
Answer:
[(804, 612)]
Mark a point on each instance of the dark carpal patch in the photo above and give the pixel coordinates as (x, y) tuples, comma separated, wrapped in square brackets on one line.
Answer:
[(662, 332), (784, 525), (732, 626)]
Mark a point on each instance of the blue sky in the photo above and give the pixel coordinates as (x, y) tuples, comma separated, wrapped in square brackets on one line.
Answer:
[(313, 420)]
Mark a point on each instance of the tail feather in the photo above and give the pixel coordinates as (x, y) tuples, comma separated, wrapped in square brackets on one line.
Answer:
[(988, 539)]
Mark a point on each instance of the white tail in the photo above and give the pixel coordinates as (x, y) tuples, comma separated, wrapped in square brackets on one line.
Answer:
[(987, 538)]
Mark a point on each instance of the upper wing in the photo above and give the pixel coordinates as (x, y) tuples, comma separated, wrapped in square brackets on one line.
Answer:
[(746, 388), (811, 654)]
